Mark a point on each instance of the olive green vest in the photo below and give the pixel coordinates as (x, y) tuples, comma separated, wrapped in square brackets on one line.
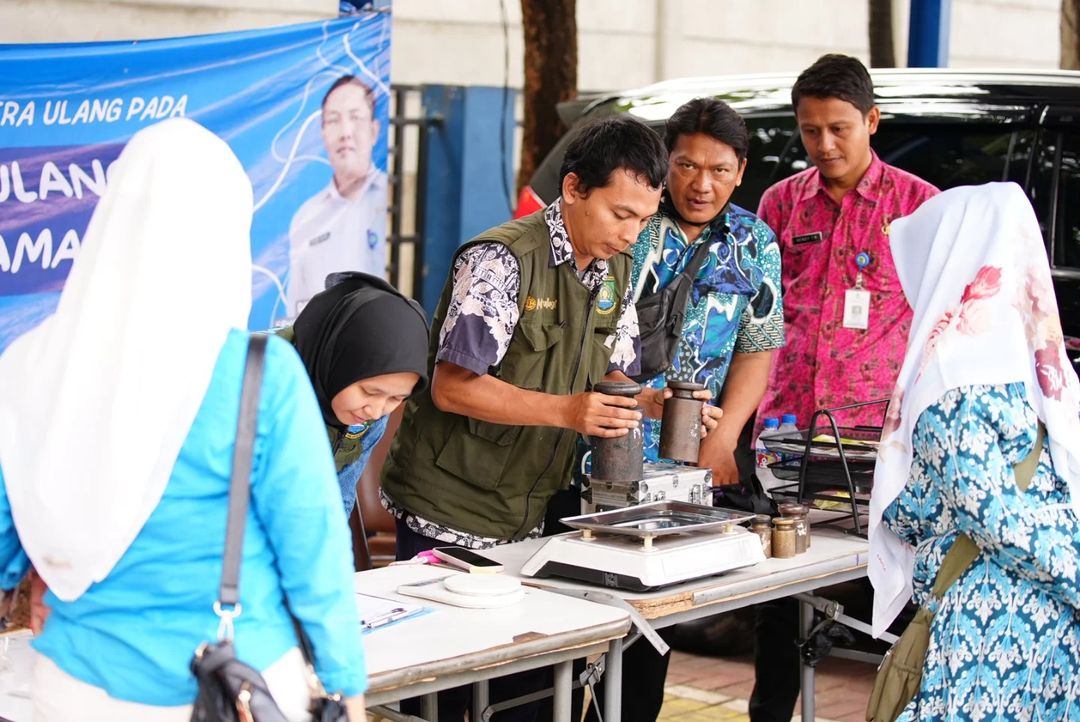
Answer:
[(491, 479)]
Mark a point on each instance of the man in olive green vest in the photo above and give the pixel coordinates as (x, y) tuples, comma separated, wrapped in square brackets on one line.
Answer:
[(535, 312)]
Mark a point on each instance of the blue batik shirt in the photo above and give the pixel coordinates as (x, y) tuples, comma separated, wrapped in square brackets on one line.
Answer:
[(735, 304), (1005, 637)]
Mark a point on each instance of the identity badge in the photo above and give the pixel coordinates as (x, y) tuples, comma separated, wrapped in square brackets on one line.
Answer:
[(857, 300), (857, 308)]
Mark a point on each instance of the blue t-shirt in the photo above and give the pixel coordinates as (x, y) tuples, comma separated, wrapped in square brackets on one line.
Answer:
[(133, 634)]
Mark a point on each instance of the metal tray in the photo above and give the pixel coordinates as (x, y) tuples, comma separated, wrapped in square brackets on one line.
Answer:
[(857, 443), (658, 519)]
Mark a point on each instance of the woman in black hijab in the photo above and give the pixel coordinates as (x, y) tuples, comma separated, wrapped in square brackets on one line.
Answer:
[(365, 348)]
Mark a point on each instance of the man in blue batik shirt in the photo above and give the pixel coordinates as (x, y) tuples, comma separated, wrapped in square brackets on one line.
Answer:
[(734, 317)]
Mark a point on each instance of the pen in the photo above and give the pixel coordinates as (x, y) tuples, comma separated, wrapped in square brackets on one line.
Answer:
[(383, 619)]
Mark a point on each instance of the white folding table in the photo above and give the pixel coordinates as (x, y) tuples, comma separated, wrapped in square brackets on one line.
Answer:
[(833, 557), (453, 646)]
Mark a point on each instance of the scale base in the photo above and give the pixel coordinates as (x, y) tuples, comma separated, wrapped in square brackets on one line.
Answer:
[(624, 562)]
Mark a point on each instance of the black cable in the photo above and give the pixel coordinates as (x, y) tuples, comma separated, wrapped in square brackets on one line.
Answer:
[(505, 108)]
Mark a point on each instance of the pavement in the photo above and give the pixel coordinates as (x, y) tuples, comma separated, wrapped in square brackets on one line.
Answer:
[(701, 689)]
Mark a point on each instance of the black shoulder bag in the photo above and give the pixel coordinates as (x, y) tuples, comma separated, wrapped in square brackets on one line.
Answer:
[(661, 316), (230, 690)]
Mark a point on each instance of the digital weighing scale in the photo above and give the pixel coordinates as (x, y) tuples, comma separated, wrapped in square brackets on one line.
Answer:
[(647, 546)]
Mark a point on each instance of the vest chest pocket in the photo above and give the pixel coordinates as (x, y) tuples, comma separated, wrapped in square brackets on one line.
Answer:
[(527, 358), (477, 451)]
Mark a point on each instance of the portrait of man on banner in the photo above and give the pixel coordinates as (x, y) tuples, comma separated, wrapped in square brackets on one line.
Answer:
[(343, 226)]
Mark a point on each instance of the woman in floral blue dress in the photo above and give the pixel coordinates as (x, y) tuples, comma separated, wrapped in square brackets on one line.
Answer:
[(985, 363)]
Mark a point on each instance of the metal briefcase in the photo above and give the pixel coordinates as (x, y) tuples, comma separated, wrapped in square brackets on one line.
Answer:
[(660, 482)]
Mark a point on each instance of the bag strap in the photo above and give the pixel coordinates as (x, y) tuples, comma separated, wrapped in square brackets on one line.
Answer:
[(240, 494), (964, 550), (1026, 468), (240, 488), (698, 260)]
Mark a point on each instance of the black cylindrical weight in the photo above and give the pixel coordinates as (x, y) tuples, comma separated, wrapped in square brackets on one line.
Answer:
[(618, 459), (680, 429)]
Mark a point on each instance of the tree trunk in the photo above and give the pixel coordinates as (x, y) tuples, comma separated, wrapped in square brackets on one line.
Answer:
[(882, 52), (1070, 34), (551, 57)]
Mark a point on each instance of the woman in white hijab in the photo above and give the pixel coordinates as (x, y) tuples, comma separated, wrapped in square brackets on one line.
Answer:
[(117, 420), (985, 364)]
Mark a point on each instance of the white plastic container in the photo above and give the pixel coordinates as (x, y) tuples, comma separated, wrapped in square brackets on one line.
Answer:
[(764, 456)]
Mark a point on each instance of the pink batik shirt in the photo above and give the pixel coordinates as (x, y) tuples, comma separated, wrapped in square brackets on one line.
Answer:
[(824, 364)]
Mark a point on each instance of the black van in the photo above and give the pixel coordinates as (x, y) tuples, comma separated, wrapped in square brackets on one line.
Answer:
[(949, 127)]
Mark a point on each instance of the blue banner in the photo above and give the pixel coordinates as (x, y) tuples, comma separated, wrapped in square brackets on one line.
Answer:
[(304, 107)]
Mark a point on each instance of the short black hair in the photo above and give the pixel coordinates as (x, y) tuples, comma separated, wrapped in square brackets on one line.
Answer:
[(712, 117), (600, 147), (369, 95), (835, 76)]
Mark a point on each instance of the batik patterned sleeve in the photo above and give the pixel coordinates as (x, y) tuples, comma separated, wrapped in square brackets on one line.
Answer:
[(646, 252), (966, 446), (761, 326), (625, 343), (483, 310)]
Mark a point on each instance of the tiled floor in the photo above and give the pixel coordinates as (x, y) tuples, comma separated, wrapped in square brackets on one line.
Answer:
[(714, 688)]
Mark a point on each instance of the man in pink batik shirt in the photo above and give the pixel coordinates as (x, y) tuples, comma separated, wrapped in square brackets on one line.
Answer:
[(830, 220), (845, 316)]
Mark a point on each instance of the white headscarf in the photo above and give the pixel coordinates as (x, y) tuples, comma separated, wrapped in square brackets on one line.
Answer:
[(96, 402), (973, 267)]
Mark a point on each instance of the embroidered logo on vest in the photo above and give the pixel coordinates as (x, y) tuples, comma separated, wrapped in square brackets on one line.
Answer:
[(607, 299), (545, 304), (358, 431)]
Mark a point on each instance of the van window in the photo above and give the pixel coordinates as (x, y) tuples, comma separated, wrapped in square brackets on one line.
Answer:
[(775, 153), (946, 155), (1057, 195), (953, 155)]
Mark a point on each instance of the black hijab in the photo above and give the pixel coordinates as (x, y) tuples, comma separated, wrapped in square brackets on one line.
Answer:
[(359, 327)]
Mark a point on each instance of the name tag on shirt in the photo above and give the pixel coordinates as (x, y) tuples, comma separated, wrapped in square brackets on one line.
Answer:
[(857, 308), (814, 237)]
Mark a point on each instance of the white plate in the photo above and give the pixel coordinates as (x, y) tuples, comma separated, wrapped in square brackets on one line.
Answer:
[(481, 585)]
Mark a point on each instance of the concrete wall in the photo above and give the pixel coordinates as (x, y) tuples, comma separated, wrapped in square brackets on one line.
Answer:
[(629, 43), (54, 21), (622, 43), (996, 33)]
